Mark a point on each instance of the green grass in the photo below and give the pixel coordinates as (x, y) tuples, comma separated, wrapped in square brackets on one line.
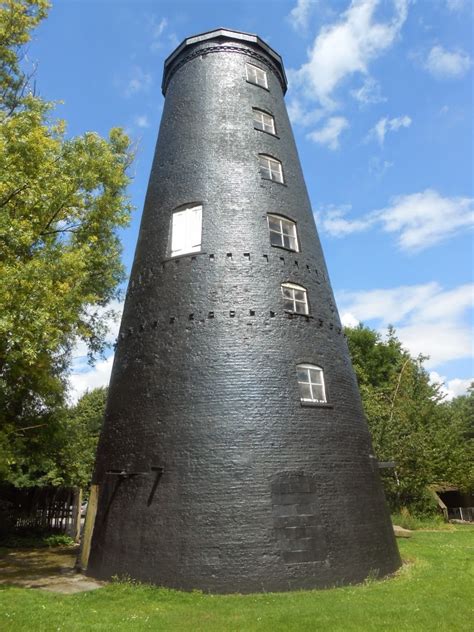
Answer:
[(433, 591), (408, 521)]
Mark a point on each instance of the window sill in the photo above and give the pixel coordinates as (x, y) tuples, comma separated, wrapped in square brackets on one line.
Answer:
[(290, 313), (257, 129), (283, 184), (198, 253), (252, 83), (284, 248), (315, 405)]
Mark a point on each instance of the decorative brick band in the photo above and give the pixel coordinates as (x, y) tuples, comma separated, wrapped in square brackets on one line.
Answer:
[(226, 48)]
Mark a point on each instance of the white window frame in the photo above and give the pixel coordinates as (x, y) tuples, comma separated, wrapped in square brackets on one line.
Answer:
[(264, 121), (315, 378), (256, 75), (291, 233), (186, 230), (270, 168), (297, 303)]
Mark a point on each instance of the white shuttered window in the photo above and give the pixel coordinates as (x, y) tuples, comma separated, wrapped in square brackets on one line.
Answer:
[(186, 230)]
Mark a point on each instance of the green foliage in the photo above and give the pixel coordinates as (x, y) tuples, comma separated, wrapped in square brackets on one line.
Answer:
[(410, 424), (59, 539), (408, 521), (62, 451), (17, 19), (433, 591), (81, 428), (61, 202), (34, 539), (462, 410)]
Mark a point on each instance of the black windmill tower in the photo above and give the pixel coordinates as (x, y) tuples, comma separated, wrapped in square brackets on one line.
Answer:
[(235, 455)]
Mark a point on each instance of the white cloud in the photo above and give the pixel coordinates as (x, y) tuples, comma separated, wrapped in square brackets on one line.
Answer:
[(349, 320), (142, 121), (429, 319), (418, 220), (157, 27), (451, 388), (331, 219), (162, 38), (424, 219), (378, 167), (385, 125), (173, 40), (458, 386), (80, 382), (299, 15), (456, 5), (329, 134), (388, 306), (445, 64), (139, 81), (299, 115), (347, 47), (369, 92), (84, 377), (441, 341)]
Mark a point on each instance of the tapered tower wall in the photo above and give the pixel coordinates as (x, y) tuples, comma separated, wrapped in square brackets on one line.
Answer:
[(212, 472)]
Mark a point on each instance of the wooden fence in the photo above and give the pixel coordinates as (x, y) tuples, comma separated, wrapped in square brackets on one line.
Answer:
[(461, 513), (52, 509)]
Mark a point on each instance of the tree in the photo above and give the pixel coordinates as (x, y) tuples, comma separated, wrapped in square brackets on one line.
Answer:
[(17, 19), (62, 451), (454, 460), (81, 426), (462, 408), (409, 421), (61, 202)]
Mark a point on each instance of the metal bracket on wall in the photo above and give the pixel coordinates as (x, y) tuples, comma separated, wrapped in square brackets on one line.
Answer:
[(125, 474), (159, 473), (121, 473)]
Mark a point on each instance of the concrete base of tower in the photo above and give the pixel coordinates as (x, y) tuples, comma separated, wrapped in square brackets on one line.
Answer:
[(239, 545), (317, 575), (252, 579)]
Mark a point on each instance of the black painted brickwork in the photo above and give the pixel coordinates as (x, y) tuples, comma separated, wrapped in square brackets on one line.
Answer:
[(257, 491)]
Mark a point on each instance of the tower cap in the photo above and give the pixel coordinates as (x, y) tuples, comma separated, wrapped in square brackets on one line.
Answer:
[(223, 34)]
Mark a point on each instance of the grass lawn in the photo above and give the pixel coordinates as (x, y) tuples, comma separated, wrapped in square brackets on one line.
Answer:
[(433, 591)]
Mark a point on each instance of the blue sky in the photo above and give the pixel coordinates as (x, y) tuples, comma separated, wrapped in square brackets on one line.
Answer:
[(380, 97)]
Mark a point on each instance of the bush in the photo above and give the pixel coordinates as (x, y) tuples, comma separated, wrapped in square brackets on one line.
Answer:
[(34, 539), (59, 539), (413, 522)]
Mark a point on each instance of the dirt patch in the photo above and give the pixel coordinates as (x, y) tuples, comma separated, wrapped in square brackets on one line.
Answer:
[(49, 569)]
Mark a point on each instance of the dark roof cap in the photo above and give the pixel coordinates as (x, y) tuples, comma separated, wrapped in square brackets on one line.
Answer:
[(227, 34)]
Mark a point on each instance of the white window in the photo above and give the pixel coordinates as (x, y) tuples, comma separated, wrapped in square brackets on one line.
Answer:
[(311, 383), (256, 75), (282, 232), (186, 231), (295, 298), (263, 121), (270, 169)]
